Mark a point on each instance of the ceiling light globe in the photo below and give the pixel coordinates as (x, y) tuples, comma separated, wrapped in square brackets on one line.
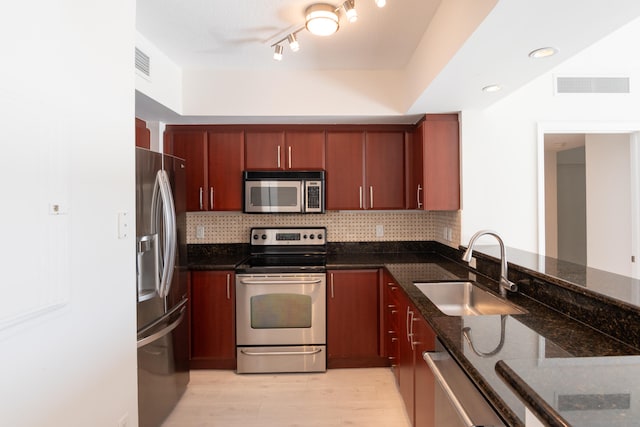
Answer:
[(322, 19), (381, 3)]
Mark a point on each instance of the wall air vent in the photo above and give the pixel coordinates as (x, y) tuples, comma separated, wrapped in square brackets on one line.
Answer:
[(592, 84), (143, 63)]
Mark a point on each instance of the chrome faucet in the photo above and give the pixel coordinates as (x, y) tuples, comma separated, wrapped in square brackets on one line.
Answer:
[(505, 284)]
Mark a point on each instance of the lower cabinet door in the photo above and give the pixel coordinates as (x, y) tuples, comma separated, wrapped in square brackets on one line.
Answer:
[(353, 319), (212, 318), (424, 387)]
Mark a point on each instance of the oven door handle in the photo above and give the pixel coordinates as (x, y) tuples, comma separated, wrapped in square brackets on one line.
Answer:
[(280, 282), (280, 353)]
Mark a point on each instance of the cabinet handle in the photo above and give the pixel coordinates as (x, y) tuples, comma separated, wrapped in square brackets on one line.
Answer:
[(228, 287), (419, 204), (278, 157), (407, 325), (361, 197), (289, 157), (210, 198), (394, 339), (392, 286), (332, 295), (201, 206), (371, 196)]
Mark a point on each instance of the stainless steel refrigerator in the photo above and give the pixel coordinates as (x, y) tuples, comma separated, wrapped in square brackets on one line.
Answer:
[(163, 352)]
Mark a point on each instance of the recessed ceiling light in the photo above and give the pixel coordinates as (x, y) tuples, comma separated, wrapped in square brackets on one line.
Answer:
[(543, 52), (491, 88)]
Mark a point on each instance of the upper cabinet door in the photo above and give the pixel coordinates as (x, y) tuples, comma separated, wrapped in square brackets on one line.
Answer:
[(384, 178), (304, 150), (192, 146), (441, 162), (226, 163), (345, 170), (264, 150)]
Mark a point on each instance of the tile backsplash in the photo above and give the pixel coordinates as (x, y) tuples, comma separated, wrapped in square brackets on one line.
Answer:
[(342, 226)]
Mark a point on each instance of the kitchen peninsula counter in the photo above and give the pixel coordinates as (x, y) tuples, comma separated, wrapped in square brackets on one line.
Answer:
[(539, 349)]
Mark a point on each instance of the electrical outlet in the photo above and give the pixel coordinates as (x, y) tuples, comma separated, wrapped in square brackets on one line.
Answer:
[(200, 232), (449, 234), (379, 230)]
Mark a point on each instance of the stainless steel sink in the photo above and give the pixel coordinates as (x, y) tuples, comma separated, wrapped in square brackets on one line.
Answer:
[(466, 299)]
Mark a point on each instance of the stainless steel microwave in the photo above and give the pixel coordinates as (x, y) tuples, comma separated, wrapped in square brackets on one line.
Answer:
[(283, 191)]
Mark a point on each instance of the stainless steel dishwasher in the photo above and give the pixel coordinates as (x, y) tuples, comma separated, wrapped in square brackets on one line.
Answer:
[(457, 401)]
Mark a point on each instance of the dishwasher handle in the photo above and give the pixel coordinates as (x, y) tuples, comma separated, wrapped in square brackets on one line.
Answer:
[(430, 358)]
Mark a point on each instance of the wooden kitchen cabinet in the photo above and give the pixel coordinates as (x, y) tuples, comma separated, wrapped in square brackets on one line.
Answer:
[(225, 166), (415, 336), (215, 161), (285, 150), (353, 319), (304, 150), (434, 165), (391, 322), (143, 135), (365, 170), (191, 146), (424, 339), (212, 320), (384, 170)]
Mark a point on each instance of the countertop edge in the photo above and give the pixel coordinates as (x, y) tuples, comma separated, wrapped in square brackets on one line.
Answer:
[(529, 397)]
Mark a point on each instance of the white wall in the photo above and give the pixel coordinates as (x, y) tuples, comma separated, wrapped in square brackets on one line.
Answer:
[(608, 178), (67, 108), (164, 84), (500, 144)]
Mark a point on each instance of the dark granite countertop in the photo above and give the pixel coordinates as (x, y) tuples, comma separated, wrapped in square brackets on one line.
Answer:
[(536, 344), (533, 338)]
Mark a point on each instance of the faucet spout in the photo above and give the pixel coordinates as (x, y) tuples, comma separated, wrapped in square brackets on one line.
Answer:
[(505, 284)]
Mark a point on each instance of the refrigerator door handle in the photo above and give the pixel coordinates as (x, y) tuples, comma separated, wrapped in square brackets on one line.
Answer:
[(162, 202), (162, 332)]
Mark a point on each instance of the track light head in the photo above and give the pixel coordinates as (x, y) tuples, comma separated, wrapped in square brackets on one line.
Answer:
[(349, 7), (293, 42), (277, 53)]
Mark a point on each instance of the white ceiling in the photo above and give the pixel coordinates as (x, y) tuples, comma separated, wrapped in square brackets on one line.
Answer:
[(238, 35)]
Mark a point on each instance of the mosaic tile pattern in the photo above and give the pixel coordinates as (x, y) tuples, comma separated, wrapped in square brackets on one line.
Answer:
[(343, 226)]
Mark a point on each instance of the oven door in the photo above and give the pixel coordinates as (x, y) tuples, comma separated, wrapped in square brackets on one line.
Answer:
[(261, 196), (280, 309)]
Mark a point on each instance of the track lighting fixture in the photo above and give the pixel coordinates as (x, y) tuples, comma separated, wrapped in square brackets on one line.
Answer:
[(293, 42), (350, 10), (321, 19), (277, 54)]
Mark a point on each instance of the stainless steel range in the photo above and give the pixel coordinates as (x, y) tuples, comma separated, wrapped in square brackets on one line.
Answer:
[(281, 301)]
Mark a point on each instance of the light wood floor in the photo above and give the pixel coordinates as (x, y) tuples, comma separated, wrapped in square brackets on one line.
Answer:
[(339, 397)]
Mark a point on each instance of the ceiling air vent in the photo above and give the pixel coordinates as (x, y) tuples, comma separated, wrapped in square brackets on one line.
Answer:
[(592, 85), (143, 63)]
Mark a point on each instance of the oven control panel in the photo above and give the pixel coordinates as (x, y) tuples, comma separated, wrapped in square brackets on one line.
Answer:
[(289, 236)]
